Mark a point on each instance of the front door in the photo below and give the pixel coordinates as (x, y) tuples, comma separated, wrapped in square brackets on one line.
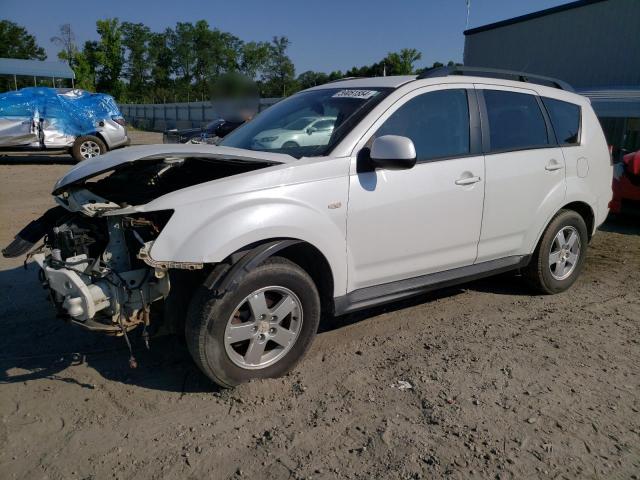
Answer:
[(406, 223)]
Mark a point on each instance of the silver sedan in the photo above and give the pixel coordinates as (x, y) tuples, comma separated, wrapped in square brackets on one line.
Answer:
[(302, 132)]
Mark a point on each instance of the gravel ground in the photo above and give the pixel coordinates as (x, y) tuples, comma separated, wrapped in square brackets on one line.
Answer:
[(482, 381)]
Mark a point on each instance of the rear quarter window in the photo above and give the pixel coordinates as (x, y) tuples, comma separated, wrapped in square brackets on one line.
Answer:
[(565, 119)]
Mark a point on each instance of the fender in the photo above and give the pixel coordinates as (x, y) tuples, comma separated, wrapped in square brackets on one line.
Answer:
[(209, 231)]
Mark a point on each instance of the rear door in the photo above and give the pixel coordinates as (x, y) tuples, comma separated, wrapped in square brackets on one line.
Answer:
[(524, 168)]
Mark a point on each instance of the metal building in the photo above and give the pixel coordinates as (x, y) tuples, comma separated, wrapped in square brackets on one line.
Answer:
[(23, 72), (592, 44)]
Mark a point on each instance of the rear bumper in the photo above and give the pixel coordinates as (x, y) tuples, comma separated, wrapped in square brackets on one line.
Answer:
[(120, 143)]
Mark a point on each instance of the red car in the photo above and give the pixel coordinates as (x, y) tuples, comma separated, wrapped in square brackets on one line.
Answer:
[(626, 184)]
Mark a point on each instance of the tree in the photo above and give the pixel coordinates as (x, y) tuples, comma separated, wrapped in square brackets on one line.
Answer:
[(279, 73), (160, 59), (335, 75), (254, 57), (84, 70), (374, 70), (17, 42), (110, 56), (216, 53), (135, 38), (401, 63), (311, 79), (181, 43), (67, 40)]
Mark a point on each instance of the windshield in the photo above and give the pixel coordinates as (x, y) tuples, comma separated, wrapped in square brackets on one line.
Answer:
[(284, 126)]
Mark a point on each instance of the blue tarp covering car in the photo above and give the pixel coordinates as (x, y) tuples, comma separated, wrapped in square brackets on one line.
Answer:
[(38, 117)]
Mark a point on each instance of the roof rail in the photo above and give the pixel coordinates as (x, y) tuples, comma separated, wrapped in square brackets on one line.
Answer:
[(496, 73)]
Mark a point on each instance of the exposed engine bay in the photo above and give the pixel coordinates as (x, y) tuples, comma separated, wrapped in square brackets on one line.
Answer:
[(140, 182), (93, 274), (94, 256)]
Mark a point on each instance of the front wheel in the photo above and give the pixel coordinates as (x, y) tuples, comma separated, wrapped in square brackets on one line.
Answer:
[(559, 257), (260, 330), (86, 147)]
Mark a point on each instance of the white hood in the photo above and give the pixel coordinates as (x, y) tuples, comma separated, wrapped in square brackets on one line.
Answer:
[(95, 166)]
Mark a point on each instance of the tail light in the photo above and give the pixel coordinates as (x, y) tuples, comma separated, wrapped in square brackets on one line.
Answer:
[(119, 120)]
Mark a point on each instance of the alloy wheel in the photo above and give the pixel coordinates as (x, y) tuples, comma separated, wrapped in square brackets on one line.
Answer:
[(89, 149), (263, 327), (564, 253)]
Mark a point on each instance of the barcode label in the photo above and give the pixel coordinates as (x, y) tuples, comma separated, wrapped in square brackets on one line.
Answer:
[(363, 94)]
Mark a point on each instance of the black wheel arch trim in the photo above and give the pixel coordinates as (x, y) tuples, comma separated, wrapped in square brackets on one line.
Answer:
[(227, 278)]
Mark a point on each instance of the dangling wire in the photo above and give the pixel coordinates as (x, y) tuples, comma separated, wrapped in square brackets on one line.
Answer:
[(132, 360)]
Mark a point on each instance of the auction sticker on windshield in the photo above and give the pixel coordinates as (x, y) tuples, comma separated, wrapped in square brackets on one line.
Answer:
[(364, 94)]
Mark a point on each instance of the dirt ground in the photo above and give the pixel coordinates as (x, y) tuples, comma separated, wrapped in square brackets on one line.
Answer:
[(482, 381)]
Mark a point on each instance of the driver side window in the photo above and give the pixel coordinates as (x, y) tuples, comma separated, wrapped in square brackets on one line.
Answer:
[(436, 122)]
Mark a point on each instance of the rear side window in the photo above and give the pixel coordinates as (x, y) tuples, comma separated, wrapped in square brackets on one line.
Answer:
[(515, 121), (565, 118), (436, 122)]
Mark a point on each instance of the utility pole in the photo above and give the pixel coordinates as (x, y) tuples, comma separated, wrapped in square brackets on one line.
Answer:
[(468, 11)]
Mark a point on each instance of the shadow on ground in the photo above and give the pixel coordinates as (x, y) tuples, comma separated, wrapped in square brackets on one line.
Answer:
[(626, 225), (35, 344), (47, 158)]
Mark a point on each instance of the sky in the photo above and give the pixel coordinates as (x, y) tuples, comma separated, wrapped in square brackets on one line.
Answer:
[(325, 35)]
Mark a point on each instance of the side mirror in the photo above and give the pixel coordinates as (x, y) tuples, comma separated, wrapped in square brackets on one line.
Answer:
[(310, 130), (393, 152)]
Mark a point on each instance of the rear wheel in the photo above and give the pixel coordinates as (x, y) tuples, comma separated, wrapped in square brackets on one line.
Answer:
[(559, 257), (260, 330), (86, 147)]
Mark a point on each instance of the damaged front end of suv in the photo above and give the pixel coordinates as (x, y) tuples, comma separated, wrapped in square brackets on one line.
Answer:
[(95, 255)]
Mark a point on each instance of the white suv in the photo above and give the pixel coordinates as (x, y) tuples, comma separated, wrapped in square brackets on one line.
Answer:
[(424, 182)]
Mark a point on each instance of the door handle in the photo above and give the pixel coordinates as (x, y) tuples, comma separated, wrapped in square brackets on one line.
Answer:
[(553, 165), (467, 180)]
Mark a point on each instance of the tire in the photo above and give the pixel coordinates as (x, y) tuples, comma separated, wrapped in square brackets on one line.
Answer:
[(546, 272), (211, 320), (86, 147), (290, 145)]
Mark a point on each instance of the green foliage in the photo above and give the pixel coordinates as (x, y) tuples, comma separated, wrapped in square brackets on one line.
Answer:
[(160, 61), (193, 62), (135, 39), (310, 79), (110, 57), (254, 58), (67, 40), (401, 63), (278, 78), (17, 42)]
